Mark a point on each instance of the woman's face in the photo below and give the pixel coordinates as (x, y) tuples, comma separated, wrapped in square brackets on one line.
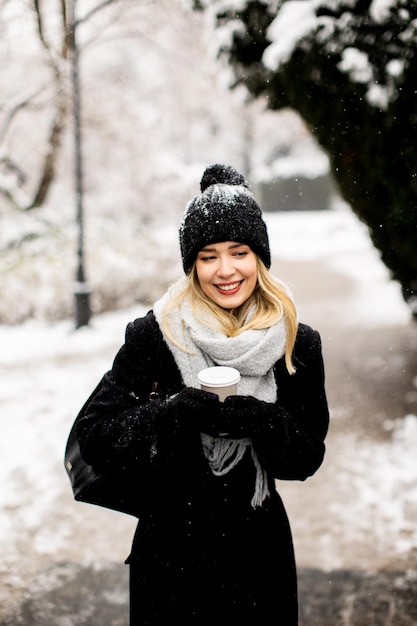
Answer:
[(227, 273)]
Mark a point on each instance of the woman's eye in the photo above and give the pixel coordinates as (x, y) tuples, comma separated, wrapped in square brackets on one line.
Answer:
[(243, 253)]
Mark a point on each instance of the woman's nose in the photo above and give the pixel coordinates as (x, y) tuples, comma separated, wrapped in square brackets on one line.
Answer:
[(226, 267)]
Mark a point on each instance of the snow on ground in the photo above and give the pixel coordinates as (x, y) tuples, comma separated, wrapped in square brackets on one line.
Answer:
[(47, 371), (342, 242)]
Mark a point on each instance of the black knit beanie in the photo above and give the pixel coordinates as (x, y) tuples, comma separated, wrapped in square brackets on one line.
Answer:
[(225, 211)]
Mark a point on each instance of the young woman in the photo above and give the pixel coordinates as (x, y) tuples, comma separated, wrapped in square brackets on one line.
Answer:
[(213, 544)]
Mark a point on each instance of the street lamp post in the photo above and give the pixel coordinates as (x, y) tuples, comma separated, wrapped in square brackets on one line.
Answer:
[(82, 290)]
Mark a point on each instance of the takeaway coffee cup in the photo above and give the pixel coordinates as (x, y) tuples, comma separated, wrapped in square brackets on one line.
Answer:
[(220, 380)]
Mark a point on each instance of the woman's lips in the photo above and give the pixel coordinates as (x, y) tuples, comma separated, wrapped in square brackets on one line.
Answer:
[(228, 288)]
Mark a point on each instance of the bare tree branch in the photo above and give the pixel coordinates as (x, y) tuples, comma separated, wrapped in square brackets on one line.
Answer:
[(65, 29), (39, 22), (48, 170), (93, 11), (6, 193), (11, 114)]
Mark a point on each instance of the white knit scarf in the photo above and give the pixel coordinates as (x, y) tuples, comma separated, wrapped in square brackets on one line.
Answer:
[(253, 353)]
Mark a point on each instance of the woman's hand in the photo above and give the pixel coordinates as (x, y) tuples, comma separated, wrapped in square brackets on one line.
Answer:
[(197, 409), (246, 416)]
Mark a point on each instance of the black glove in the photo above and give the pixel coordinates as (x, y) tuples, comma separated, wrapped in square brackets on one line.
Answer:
[(196, 409), (246, 416)]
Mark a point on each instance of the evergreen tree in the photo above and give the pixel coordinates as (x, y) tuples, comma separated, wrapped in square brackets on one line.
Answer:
[(349, 68)]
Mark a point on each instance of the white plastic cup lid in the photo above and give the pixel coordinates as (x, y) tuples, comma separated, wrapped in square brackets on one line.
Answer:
[(219, 376)]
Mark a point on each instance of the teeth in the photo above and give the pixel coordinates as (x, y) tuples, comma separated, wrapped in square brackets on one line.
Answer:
[(227, 287)]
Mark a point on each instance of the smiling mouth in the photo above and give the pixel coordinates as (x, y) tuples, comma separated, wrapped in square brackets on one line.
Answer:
[(230, 287)]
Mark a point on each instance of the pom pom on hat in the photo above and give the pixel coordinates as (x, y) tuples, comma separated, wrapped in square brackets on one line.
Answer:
[(225, 211), (218, 174)]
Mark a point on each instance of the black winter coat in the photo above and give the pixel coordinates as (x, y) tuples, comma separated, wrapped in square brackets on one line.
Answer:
[(201, 553)]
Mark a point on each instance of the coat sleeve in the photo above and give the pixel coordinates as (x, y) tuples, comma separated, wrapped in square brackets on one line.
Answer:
[(120, 427), (117, 425), (289, 434)]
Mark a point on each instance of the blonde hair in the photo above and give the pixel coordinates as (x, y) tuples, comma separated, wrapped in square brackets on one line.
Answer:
[(270, 299)]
